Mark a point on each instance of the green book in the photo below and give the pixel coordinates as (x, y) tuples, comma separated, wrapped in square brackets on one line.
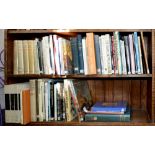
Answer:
[(96, 117)]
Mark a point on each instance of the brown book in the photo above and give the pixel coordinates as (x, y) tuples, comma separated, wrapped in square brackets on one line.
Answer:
[(91, 53), (144, 53), (26, 106)]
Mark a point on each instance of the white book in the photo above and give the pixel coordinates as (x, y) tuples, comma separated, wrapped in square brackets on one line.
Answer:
[(124, 68), (132, 55), (85, 56), (26, 56), (61, 50), (101, 55), (46, 101), (40, 99), (104, 54), (15, 57), (108, 52), (46, 55), (140, 55), (33, 102), (56, 55), (20, 57)]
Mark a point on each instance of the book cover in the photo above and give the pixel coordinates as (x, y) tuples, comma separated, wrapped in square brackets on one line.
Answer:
[(97, 52), (80, 53), (109, 117), (119, 106)]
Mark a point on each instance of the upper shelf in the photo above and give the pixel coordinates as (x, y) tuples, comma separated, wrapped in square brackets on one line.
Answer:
[(22, 31)]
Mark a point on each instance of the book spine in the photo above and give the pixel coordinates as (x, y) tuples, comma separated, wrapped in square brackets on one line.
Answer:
[(127, 54), (101, 55), (36, 58), (132, 54), (107, 118), (123, 57), (74, 48), (80, 54), (137, 55), (108, 52), (15, 57), (97, 52), (140, 55), (117, 49), (20, 57), (26, 56)]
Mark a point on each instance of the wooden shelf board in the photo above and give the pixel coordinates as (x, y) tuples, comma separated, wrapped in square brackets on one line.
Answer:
[(81, 76), (138, 118)]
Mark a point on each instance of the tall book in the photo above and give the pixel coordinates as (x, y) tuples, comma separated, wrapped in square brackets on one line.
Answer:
[(91, 53), (140, 55), (80, 53), (74, 47), (117, 50), (97, 52), (26, 56), (137, 54), (20, 57), (15, 57), (144, 53), (127, 54), (132, 55)]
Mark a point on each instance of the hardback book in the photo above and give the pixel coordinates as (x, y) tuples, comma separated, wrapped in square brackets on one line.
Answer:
[(127, 54), (137, 54), (118, 51), (26, 56), (132, 55), (140, 55), (91, 53), (36, 57), (119, 106), (20, 57), (80, 53), (15, 57), (31, 56), (123, 57), (126, 117), (84, 56), (74, 47), (97, 52)]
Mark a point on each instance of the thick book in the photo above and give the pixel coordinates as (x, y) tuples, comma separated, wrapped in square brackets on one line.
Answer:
[(109, 117), (119, 106)]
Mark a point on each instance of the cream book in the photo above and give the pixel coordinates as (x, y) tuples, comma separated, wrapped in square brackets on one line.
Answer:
[(15, 57)]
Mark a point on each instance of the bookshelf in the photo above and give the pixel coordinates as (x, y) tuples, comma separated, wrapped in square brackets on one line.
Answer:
[(137, 89)]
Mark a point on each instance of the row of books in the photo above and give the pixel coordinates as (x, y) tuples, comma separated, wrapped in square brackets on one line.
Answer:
[(89, 54), (58, 100)]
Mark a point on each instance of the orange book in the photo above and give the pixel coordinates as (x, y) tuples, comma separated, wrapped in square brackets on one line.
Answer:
[(91, 53), (26, 106)]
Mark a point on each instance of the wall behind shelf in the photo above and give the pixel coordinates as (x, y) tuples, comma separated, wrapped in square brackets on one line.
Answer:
[(2, 100)]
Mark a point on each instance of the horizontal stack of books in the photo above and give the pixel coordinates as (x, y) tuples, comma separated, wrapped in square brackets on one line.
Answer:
[(108, 112)]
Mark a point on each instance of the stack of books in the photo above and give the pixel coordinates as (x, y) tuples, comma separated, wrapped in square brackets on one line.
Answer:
[(108, 112)]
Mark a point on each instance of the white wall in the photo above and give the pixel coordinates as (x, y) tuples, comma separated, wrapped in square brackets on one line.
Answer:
[(2, 101)]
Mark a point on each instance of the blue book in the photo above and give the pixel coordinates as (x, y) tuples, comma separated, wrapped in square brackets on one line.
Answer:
[(137, 55), (119, 106), (97, 52), (80, 53), (75, 57), (109, 117)]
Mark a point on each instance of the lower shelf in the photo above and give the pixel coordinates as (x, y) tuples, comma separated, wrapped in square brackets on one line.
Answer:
[(138, 118)]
